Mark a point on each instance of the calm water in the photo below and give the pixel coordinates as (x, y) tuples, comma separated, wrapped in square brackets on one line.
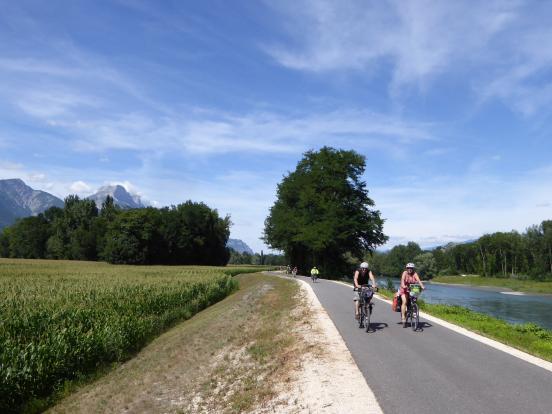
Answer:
[(512, 308)]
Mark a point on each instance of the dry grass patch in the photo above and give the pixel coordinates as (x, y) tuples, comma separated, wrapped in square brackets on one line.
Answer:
[(230, 358)]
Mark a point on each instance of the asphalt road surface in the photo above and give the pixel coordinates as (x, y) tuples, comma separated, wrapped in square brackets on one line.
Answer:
[(436, 370)]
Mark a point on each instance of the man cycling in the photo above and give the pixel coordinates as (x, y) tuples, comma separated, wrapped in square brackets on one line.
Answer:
[(409, 276), (362, 275), (314, 273)]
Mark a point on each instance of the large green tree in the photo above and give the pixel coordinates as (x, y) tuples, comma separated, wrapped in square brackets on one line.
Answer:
[(323, 212)]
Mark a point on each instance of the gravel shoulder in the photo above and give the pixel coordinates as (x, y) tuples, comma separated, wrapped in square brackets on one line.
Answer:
[(328, 380)]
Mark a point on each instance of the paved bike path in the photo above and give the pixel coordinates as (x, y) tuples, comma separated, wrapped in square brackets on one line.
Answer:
[(437, 370)]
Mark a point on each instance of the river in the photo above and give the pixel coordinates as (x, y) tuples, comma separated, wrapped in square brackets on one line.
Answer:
[(515, 308)]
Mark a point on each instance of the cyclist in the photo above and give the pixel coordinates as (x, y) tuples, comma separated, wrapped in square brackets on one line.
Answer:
[(314, 273), (409, 276), (362, 275), (294, 271)]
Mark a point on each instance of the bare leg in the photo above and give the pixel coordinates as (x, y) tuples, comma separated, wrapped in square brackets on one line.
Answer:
[(356, 308), (403, 307)]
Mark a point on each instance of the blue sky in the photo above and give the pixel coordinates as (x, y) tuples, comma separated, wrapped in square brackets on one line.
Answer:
[(214, 101)]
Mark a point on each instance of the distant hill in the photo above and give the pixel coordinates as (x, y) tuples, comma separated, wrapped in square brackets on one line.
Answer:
[(17, 200), (121, 197), (239, 246)]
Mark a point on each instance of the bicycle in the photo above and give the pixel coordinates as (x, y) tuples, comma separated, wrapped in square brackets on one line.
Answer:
[(412, 309), (314, 277), (365, 305)]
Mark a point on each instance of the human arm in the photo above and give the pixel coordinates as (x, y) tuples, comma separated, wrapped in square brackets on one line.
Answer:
[(419, 280), (373, 279), (355, 280), (403, 286)]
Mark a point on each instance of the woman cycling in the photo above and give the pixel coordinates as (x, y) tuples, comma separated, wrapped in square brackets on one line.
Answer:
[(409, 276)]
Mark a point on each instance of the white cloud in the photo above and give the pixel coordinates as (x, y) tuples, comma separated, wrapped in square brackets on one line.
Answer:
[(219, 133), (80, 187), (524, 84), (497, 47), (131, 188), (442, 209), (52, 102), (420, 38)]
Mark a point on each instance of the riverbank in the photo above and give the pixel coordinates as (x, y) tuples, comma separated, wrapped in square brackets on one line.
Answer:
[(525, 286), (527, 337)]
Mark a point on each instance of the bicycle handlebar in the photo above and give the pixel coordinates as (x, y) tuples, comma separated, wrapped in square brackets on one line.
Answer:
[(366, 286)]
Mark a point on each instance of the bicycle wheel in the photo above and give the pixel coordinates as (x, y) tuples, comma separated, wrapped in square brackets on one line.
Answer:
[(368, 315), (415, 317), (362, 316), (408, 319)]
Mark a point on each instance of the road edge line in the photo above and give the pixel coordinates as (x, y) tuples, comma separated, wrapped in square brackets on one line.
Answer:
[(371, 404), (475, 336)]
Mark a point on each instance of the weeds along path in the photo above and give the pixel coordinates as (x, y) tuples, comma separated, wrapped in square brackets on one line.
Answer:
[(328, 381), (228, 358)]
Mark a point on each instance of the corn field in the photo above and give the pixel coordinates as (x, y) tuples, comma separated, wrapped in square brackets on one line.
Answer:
[(60, 320)]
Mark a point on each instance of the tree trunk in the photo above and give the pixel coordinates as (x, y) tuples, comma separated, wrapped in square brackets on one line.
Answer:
[(484, 262)]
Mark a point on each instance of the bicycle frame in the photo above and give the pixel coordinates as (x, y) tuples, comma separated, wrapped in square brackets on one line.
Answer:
[(365, 307), (412, 311)]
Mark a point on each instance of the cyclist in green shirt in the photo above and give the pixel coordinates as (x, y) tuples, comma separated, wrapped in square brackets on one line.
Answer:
[(314, 273)]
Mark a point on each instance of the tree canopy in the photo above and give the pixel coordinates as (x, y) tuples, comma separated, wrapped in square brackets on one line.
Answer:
[(323, 212)]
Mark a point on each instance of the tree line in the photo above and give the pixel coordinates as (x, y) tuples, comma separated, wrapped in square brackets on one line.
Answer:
[(189, 233), (512, 254), (256, 259)]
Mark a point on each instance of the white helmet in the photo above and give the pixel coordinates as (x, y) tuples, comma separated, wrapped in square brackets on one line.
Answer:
[(364, 265), (411, 266)]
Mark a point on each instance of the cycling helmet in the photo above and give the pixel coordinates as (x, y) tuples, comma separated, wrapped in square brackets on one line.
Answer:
[(364, 265), (411, 265)]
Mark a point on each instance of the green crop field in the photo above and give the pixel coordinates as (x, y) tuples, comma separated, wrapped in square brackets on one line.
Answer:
[(60, 320)]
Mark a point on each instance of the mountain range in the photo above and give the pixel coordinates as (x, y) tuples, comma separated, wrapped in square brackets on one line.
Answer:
[(18, 200), (121, 197), (239, 245)]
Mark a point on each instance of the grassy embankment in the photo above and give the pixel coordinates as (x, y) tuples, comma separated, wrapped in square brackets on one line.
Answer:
[(230, 358), (528, 337), (529, 286), (63, 321)]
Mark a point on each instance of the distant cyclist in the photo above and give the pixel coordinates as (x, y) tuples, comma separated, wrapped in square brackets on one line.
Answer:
[(362, 275), (314, 273), (409, 276), (294, 271)]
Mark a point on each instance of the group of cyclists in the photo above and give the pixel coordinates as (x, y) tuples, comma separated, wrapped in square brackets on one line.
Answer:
[(363, 275), (293, 271)]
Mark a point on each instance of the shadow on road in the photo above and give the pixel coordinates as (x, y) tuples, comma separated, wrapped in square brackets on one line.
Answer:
[(421, 326), (377, 326)]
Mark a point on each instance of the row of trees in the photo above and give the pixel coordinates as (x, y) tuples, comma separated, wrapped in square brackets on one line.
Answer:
[(502, 254), (190, 233), (256, 259)]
